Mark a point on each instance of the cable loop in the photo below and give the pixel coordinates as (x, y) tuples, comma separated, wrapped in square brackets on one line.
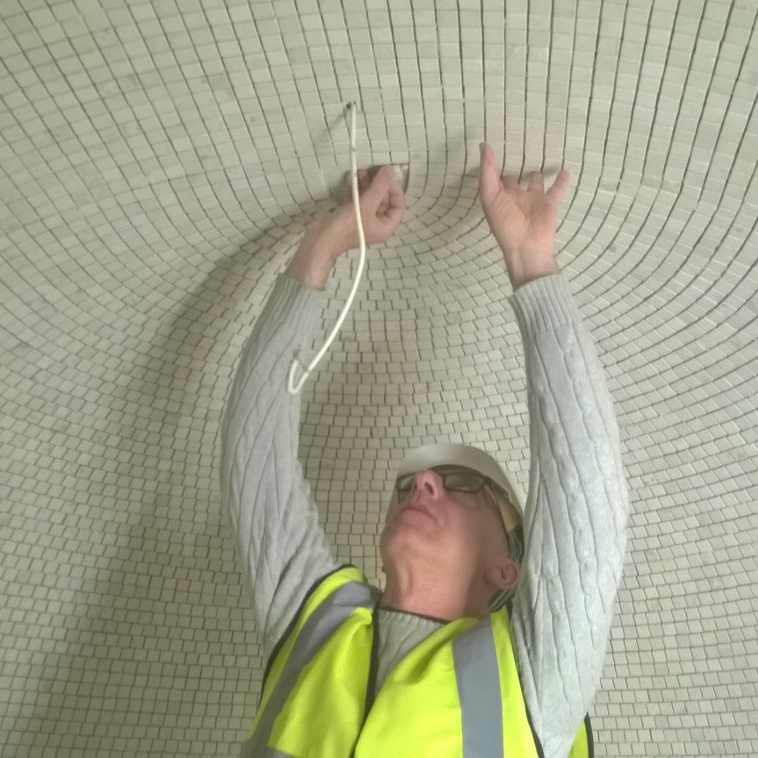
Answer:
[(294, 389)]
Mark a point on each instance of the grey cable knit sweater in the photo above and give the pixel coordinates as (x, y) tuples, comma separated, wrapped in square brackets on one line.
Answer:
[(576, 511)]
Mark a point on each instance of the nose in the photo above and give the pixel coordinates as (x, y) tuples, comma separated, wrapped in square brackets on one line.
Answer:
[(429, 481)]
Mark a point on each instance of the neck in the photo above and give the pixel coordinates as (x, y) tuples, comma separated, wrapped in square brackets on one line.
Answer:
[(433, 599)]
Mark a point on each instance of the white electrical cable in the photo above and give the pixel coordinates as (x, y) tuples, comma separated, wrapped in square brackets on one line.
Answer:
[(352, 106)]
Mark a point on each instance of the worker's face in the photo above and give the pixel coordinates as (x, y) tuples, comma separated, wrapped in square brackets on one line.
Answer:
[(456, 539)]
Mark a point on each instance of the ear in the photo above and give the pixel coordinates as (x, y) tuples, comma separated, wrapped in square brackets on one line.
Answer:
[(503, 575)]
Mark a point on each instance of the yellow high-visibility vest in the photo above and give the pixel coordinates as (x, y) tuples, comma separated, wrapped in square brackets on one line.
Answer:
[(455, 695)]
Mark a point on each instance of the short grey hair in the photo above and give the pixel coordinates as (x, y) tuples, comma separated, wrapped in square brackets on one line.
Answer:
[(515, 544)]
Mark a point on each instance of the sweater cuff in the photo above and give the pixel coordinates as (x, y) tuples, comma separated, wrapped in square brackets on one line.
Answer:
[(544, 303)]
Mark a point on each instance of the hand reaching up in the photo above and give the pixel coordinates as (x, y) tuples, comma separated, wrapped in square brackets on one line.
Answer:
[(382, 203), (522, 221)]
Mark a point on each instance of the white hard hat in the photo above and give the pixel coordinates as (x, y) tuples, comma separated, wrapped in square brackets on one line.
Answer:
[(429, 456)]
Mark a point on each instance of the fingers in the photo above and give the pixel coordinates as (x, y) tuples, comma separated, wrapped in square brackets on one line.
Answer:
[(346, 191), (396, 196), (555, 193), (393, 205), (489, 181), (382, 199), (386, 190), (536, 182)]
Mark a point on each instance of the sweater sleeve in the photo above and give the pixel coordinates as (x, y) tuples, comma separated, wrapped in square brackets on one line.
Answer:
[(281, 543), (575, 519)]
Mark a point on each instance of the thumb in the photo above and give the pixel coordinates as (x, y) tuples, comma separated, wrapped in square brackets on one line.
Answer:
[(489, 180), (381, 182)]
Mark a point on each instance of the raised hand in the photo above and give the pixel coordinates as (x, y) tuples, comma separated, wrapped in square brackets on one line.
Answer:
[(522, 221), (382, 204)]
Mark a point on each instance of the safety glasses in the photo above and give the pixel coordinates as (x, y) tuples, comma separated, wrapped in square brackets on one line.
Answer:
[(454, 478)]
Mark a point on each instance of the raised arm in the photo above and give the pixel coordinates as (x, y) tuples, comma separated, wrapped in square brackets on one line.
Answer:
[(578, 504), (282, 546)]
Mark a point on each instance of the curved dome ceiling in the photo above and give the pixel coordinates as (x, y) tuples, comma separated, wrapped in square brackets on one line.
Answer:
[(158, 162)]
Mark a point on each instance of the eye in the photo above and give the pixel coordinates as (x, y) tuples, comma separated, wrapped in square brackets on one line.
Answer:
[(463, 482)]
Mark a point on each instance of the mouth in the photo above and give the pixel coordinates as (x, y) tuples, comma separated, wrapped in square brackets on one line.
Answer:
[(419, 508)]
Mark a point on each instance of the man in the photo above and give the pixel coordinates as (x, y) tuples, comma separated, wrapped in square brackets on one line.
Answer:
[(434, 665)]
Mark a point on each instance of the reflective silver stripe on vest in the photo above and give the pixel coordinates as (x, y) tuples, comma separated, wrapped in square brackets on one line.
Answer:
[(478, 678), (321, 624)]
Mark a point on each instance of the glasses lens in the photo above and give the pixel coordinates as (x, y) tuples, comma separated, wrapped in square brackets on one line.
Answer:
[(455, 478), (403, 485), (463, 481)]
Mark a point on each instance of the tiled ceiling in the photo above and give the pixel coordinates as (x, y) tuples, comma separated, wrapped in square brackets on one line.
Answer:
[(158, 163)]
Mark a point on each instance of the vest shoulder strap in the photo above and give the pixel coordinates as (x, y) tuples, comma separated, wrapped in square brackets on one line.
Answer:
[(344, 573)]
